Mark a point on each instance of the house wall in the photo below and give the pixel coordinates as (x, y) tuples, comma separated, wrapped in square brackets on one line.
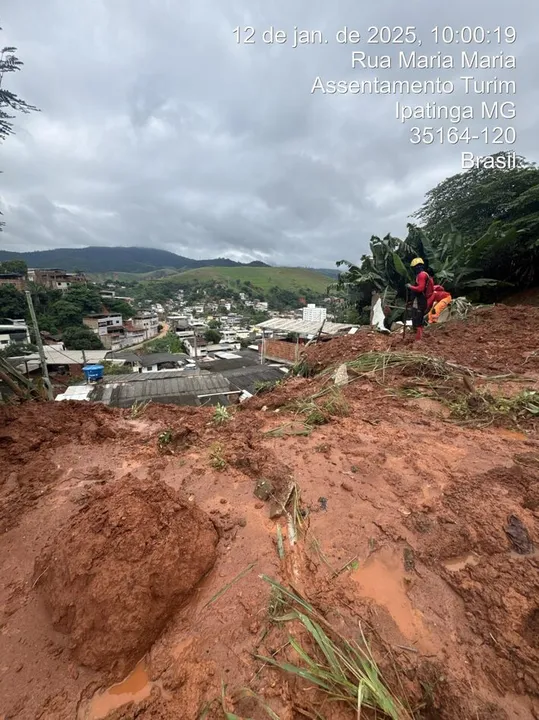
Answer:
[(282, 350), (18, 282)]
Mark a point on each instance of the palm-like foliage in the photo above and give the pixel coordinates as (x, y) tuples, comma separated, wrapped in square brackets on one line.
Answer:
[(456, 262)]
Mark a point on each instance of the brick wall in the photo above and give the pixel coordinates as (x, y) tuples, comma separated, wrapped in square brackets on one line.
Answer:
[(281, 350)]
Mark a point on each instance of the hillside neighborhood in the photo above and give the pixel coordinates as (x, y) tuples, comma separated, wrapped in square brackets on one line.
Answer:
[(175, 342)]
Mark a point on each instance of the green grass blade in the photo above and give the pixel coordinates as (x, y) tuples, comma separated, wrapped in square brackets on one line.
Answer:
[(223, 590)]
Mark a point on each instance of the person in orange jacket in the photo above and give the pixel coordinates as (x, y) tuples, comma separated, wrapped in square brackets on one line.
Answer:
[(422, 293), (440, 300)]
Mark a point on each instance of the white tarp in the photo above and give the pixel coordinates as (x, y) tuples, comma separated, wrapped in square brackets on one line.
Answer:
[(378, 317)]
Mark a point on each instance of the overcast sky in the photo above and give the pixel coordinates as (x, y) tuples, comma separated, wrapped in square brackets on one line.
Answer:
[(157, 129)]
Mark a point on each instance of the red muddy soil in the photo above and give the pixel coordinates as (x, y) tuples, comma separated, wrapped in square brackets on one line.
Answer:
[(494, 339), (113, 577), (421, 532)]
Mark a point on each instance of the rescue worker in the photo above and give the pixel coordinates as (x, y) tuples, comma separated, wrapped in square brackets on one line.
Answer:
[(422, 293), (440, 300)]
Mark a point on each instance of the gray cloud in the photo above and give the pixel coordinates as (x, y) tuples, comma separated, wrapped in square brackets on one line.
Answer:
[(158, 129)]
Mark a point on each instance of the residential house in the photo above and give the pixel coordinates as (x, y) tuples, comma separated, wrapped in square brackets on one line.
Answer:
[(177, 387), (107, 326), (55, 279), (14, 332), (311, 313), (148, 322), (202, 348), (177, 322), (151, 362), (15, 279)]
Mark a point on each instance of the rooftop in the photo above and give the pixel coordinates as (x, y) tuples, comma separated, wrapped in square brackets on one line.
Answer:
[(304, 327), (65, 357), (247, 378), (157, 358), (176, 387), (97, 316)]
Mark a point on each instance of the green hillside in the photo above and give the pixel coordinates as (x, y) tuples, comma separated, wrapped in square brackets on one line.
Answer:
[(127, 277), (260, 277)]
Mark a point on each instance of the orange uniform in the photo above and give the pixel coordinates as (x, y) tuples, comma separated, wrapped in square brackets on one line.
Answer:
[(440, 300)]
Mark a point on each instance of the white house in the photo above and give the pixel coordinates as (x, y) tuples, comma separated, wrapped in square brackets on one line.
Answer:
[(311, 313)]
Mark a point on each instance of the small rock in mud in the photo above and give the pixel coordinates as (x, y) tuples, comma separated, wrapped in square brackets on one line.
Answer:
[(346, 486), (409, 559), (518, 535), (259, 506), (263, 489), (112, 584)]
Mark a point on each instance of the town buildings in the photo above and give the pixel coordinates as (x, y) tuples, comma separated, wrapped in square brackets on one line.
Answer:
[(55, 279)]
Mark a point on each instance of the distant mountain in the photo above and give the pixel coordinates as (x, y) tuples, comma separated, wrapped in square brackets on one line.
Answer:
[(116, 259)]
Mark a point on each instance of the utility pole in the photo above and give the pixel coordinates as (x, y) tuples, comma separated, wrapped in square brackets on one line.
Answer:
[(195, 344), (44, 370)]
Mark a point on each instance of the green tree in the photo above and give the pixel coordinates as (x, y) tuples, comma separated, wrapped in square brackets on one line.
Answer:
[(121, 307), (457, 263), (12, 302), (501, 205), (212, 336), (81, 338), (14, 266), (66, 314), (9, 101), (171, 343), (85, 297)]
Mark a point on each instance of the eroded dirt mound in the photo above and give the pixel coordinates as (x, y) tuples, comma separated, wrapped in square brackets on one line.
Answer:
[(497, 338), (120, 569)]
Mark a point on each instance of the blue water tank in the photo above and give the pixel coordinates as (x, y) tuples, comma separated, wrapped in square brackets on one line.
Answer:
[(93, 373)]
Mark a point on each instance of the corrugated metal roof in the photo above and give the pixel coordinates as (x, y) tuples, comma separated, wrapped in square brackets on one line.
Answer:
[(304, 327), (134, 377), (156, 358), (69, 357), (165, 387), (247, 378)]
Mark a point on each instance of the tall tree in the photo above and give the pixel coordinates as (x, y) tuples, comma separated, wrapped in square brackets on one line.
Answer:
[(9, 101), (491, 202)]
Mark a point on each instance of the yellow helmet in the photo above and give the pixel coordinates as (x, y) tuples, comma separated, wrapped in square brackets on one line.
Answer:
[(417, 261)]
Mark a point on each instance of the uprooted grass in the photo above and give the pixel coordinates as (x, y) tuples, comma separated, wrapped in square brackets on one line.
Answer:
[(345, 671), (379, 363), (481, 408), (318, 409)]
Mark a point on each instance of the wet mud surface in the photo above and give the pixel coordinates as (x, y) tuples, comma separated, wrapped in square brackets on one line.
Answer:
[(114, 604)]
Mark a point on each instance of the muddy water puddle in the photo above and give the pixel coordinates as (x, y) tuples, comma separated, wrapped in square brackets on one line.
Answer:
[(382, 579), (136, 687), (460, 562)]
